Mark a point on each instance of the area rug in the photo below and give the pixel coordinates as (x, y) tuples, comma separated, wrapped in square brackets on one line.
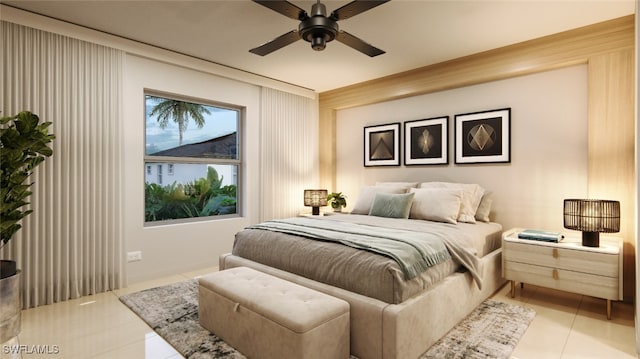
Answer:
[(491, 331)]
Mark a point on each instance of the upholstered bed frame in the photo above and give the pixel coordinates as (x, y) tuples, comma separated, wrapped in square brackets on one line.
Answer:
[(400, 331)]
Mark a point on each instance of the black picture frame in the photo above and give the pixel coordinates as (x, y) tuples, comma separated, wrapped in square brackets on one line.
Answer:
[(426, 141), (483, 137), (382, 145)]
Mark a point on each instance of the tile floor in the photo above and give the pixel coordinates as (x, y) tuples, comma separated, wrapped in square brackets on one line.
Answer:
[(566, 326)]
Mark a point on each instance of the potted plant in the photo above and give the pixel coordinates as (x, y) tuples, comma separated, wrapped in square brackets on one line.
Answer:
[(337, 200), (23, 146)]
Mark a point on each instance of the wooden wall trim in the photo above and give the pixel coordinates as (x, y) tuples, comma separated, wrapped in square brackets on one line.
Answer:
[(579, 46), (611, 144), (542, 54)]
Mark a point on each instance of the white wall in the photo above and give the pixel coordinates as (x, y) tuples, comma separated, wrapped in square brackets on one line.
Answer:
[(176, 248), (548, 144)]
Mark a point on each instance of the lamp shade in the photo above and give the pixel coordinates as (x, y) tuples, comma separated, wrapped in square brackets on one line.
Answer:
[(592, 216), (315, 198)]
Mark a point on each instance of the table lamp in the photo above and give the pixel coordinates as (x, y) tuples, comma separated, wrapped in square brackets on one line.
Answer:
[(315, 198), (592, 217)]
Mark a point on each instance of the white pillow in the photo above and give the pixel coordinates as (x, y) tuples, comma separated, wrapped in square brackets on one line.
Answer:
[(482, 214), (368, 194), (436, 204), (405, 185), (471, 196)]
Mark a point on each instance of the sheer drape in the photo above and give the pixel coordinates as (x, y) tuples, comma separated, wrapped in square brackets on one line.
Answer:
[(289, 155), (71, 245)]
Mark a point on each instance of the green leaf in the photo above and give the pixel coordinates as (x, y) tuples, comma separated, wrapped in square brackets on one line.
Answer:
[(24, 145)]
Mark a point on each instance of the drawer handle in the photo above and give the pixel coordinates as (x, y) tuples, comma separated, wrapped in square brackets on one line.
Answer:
[(555, 253), (555, 274)]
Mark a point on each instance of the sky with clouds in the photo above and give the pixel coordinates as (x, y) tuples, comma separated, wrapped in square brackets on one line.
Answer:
[(220, 122)]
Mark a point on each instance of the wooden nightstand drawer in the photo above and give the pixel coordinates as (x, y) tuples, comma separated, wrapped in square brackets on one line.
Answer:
[(601, 264), (566, 265), (550, 277)]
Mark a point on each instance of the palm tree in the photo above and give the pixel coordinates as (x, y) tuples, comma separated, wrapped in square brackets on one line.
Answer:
[(179, 112)]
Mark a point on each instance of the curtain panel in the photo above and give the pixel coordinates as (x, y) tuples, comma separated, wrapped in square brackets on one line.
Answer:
[(72, 243), (289, 152)]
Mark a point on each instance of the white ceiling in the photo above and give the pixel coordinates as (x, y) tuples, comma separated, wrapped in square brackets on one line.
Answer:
[(414, 33)]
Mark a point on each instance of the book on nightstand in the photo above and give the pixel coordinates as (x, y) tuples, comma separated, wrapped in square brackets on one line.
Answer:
[(537, 235)]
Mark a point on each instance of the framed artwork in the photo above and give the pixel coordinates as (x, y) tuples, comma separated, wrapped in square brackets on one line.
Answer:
[(425, 141), (483, 137), (382, 145)]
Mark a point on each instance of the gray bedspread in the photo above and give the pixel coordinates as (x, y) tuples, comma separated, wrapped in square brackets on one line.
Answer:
[(362, 271), (414, 252)]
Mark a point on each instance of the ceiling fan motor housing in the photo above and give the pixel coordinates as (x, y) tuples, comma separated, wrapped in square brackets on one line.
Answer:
[(318, 29)]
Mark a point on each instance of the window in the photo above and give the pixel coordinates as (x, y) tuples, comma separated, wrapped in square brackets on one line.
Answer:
[(195, 145), (159, 174)]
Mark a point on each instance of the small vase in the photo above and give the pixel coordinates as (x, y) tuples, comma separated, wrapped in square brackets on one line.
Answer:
[(337, 210)]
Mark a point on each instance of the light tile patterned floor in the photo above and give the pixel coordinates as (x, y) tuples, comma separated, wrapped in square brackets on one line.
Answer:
[(566, 326)]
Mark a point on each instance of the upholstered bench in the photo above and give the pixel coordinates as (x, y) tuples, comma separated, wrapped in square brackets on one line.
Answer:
[(267, 317)]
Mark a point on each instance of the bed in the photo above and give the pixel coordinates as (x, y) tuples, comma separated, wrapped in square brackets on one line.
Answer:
[(396, 311)]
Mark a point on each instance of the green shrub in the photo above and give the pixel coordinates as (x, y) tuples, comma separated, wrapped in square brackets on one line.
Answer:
[(201, 198)]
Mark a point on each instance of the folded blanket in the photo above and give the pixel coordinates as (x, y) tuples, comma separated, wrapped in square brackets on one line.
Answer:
[(413, 251)]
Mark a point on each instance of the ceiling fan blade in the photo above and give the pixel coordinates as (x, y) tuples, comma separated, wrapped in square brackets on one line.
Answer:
[(356, 43), (277, 43), (285, 8), (354, 8)]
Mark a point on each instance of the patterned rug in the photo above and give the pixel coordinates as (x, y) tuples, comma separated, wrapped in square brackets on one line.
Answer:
[(491, 331)]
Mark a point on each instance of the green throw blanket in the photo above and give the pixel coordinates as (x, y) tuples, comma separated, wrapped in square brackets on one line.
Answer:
[(413, 251)]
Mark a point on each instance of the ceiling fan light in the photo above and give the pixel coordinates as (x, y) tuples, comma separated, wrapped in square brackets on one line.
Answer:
[(318, 43)]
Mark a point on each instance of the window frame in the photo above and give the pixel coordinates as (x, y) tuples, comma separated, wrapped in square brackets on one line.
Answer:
[(238, 161)]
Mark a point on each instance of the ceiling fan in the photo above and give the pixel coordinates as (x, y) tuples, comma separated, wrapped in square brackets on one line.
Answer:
[(318, 28)]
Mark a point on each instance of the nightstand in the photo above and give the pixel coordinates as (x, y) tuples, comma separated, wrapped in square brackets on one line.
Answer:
[(308, 214), (567, 265), (322, 214)]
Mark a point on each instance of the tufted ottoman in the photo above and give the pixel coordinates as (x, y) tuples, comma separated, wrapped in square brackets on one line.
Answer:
[(267, 317)]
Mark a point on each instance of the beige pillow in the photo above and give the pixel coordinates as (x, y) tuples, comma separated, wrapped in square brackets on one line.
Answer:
[(436, 204), (484, 209), (471, 196), (368, 194)]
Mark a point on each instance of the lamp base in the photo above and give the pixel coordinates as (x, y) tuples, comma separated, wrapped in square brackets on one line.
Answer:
[(315, 211), (591, 239)]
